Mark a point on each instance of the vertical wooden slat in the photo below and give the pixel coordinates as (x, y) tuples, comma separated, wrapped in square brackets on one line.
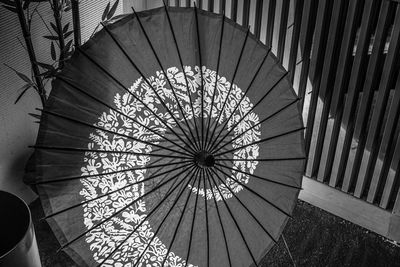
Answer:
[(210, 5), (264, 20), (347, 77), (354, 144), (288, 38), (239, 12), (199, 4), (76, 22), (321, 33), (370, 149), (234, 6), (276, 25), (295, 38), (283, 28), (270, 22), (325, 90), (305, 44), (222, 4), (392, 173), (245, 13), (257, 24), (396, 208), (384, 148), (252, 15), (216, 6)]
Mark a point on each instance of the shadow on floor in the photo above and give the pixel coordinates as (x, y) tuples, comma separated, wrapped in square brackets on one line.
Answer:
[(315, 238)]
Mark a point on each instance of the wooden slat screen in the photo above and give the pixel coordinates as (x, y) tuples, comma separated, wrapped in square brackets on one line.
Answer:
[(343, 59)]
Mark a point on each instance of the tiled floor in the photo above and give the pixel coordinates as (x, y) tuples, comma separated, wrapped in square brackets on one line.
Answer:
[(315, 238)]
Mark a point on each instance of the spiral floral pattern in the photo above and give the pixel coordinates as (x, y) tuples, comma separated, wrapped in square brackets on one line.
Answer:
[(114, 232)]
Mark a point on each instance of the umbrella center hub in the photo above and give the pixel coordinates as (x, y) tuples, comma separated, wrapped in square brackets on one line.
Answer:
[(204, 159)]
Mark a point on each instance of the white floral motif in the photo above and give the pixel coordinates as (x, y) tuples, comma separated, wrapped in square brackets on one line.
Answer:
[(107, 236)]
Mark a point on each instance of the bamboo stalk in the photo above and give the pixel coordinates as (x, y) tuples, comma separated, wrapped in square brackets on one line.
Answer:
[(76, 23), (31, 52), (57, 19)]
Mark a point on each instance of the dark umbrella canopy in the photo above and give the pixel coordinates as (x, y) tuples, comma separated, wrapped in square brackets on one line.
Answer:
[(145, 159)]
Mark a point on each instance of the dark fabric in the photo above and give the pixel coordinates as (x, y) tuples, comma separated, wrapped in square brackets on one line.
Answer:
[(102, 101)]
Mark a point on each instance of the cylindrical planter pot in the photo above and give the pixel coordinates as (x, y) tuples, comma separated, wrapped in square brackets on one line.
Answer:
[(18, 245)]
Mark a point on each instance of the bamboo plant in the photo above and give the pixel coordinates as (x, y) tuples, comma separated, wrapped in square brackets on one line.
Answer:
[(58, 33)]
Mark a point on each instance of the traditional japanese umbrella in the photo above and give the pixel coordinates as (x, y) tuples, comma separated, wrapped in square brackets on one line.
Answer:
[(171, 138)]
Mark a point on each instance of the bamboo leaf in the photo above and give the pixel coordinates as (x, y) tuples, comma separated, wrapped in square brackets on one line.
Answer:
[(112, 10), (66, 35), (49, 74), (67, 46), (24, 77), (118, 17), (54, 27), (106, 10), (65, 52), (50, 37), (21, 75), (65, 29), (68, 5), (53, 51), (10, 8), (36, 116), (45, 74), (69, 54), (45, 66), (24, 89)]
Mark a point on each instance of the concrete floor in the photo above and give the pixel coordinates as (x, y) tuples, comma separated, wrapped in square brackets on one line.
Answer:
[(315, 238)]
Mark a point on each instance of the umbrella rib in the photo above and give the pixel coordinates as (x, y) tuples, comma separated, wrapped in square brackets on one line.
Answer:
[(73, 149), (234, 220), (206, 216), (220, 219), (201, 75), (134, 96), (231, 85), (263, 160), (261, 141), (112, 132), (216, 77), (183, 69), (216, 148), (259, 177), (245, 93), (64, 179), (192, 225), (124, 208), (159, 182), (179, 222), (244, 206), (150, 213), (119, 112), (145, 79), (166, 76), (164, 219), (254, 192), (247, 113), (114, 191)]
